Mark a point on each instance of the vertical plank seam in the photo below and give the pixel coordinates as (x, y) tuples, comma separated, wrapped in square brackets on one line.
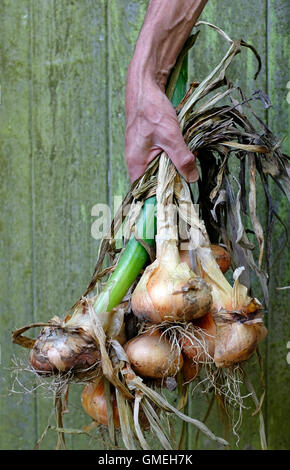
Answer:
[(109, 107), (32, 185)]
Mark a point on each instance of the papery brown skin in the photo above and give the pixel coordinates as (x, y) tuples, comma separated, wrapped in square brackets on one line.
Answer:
[(236, 342), (94, 403), (150, 355), (221, 256), (159, 297), (192, 349), (57, 350)]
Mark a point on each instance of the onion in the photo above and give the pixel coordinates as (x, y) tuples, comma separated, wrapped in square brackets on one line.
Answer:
[(151, 355), (168, 289), (236, 342), (57, 350), (220, 254), (94, 403), (71, 345)]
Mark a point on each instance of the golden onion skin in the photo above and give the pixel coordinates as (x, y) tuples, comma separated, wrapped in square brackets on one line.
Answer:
[(58, 350), (151, 355), (221, 256), (236, 342), (160, 296), (94, 403)]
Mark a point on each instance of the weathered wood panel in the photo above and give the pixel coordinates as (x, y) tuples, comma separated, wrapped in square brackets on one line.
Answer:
[(124, 22), (69, 135), (17, 412), (278, 369), (63, 70)]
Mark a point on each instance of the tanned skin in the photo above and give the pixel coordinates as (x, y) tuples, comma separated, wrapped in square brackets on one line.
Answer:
[(151, 122)]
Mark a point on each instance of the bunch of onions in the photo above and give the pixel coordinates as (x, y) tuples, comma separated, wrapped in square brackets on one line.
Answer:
[(151, 355), (168, 290), (238, 318), (95, 405)]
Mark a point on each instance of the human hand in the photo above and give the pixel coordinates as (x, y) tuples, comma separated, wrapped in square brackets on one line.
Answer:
[(151, 127), (151, 121)]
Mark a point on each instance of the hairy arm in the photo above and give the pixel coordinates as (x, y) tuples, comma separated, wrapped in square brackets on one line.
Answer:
[(151, 122)]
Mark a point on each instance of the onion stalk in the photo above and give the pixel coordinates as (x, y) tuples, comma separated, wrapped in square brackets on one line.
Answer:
[(168, 289)]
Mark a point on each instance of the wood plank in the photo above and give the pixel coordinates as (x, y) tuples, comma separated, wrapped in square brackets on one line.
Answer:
[(17, 411), (125, 19), (69, 136), (279, 318), (207, 52)]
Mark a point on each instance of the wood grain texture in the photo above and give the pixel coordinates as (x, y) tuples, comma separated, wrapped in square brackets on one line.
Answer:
[(17, 410), (125, 19), (63, 71), (278, 369), (69, 135)]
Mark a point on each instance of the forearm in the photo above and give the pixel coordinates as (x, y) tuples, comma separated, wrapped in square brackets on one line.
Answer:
[(166, 27), (151, 121)]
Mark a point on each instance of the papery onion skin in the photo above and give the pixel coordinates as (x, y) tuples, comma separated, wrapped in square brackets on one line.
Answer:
[(164, 296), (58, 350), (94, 403), (220, 254), (151, 355), (236, 342)]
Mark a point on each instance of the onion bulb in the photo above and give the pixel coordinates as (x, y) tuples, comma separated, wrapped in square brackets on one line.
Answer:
[(58, 350), (94, 403), (151, 355), (236, 342), (168, 289)]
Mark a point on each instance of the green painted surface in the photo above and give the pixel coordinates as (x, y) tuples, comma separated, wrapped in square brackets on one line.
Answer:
[(63, 69)]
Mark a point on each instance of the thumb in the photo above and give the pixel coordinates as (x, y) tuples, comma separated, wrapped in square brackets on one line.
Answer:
[(183, 159)]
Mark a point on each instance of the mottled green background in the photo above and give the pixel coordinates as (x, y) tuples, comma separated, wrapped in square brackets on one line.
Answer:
[(63, 67)]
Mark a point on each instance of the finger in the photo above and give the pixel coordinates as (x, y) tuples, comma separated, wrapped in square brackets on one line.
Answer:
[(138, 161), (182, 158)]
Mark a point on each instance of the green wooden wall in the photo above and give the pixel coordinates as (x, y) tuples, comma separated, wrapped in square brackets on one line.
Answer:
[(63, 66)]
